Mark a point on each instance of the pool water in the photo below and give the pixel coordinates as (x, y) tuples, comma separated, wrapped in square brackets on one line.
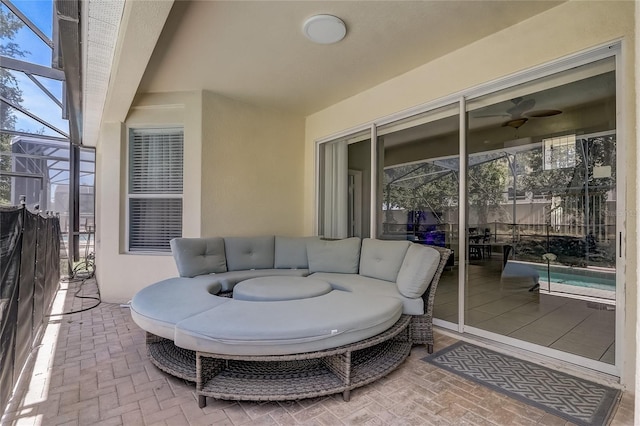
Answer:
[(581, 281), (577, 276)]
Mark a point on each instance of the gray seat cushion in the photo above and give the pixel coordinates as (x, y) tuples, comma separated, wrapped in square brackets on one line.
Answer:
[(291, 252), (198, 256), (288, 327), (160, 306), (341, 256), (228, 280), (382, 259), (519, 270), (280, 288), (249, 253), (360, 285), (418, 268)]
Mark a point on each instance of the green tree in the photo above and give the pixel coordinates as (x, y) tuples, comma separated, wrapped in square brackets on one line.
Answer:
[(9, 26), (570, 184), (434, 188), (576, 216), (486, 183), (426, 187)]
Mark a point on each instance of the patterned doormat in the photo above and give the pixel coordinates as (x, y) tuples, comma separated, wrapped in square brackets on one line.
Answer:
[(580, 401)]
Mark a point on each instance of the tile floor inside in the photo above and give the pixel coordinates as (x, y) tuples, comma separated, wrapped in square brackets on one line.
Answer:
[(506, 306), (92, 369)]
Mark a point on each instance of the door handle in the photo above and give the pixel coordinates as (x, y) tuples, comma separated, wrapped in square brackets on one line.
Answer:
[(620, 244)]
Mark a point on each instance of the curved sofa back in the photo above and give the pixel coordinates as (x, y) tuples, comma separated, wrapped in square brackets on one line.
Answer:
[(245, 253), (201, 256), (408, 265), (198, 256)]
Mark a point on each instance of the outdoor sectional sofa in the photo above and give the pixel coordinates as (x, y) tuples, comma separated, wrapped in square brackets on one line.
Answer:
[(283, 318)]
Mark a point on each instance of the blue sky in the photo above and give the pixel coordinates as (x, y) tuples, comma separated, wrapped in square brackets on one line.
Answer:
[(40, 12)]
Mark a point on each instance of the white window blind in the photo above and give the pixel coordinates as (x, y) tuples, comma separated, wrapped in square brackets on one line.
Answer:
[(155, 188)]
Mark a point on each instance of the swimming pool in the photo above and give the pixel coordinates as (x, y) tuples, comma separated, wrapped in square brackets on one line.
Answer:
[(577, 281)]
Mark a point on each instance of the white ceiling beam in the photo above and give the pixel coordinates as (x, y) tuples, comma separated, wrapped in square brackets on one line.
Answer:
[(141, 26)]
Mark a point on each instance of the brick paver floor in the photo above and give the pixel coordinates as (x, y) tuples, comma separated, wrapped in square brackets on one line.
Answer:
[(92, 369)]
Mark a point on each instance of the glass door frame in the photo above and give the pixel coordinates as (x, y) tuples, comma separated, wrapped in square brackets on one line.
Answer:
[(608, 50), (613, 50)]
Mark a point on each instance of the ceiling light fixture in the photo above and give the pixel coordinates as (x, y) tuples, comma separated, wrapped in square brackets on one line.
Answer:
[(324, 29)]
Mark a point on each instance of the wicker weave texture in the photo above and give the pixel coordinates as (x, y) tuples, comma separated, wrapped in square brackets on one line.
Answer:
[(172, 359), (422, 325), (308, 375)]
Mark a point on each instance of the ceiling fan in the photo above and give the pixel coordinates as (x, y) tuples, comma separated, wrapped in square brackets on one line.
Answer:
[(521, 112)]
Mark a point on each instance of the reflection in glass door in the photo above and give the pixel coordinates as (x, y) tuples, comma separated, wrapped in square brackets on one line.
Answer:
[(418, 190), (541, 222)]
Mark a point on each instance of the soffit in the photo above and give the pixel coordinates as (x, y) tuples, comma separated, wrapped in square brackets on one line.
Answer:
[(118, 39), (100, 21), (255, 51)]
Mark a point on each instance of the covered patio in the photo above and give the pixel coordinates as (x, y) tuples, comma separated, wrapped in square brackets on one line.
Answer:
[(92, 368), (248, 101)]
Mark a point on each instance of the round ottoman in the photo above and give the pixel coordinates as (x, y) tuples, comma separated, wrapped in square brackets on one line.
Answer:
[(277, 288)]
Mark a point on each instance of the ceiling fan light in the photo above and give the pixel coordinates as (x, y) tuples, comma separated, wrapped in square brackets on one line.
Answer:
[(515, 123)]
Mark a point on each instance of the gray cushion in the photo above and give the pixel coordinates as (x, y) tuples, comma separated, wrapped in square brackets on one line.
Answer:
[(266, 328), (382, 259), (280, 288), (359, 284), (160, 306), (291, 252), (249, 252), (519, 270), (229, 279), (341, 256), (418, 268), (198, 256)]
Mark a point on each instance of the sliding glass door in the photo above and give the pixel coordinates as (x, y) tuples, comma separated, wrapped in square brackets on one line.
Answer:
[(524, 187), (418, 189), (541, 201)]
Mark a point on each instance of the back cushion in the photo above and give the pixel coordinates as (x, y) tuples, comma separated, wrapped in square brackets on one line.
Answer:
[(291, 252), (417, 270), (382, 259), (198, 256), (340, 256), (245, 253)]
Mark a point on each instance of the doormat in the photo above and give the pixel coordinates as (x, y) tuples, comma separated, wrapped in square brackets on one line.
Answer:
[(574, 399)]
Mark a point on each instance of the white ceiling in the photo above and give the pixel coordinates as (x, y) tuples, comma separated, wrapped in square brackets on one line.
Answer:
[(254, 51)]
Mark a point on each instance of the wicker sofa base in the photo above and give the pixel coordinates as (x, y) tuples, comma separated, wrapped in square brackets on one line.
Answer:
[(286, 377), (171, 359), (306, 375)]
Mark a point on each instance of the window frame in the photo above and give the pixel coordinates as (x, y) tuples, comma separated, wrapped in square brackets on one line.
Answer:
[(130, 196)]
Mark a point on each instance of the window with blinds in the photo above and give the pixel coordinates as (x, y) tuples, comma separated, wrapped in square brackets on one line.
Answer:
[(155, 188), (559, 152)]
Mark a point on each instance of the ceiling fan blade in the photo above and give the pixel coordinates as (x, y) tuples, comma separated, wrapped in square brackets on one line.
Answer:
[(541, 113), (521, 106), (490, 115)]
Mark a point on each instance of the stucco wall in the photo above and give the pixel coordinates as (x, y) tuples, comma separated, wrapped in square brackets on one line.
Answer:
[(121, 275), (243, 175), (252, 169), (564, 30)]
